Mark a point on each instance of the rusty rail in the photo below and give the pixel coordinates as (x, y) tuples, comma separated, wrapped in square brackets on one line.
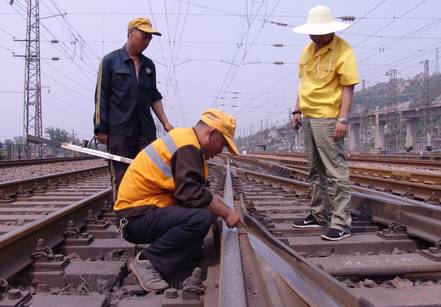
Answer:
[(411, 185), (14, 163), (17, 246), (25, 187)]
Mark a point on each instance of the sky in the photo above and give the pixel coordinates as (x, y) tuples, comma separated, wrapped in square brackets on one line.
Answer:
[(239, 56)]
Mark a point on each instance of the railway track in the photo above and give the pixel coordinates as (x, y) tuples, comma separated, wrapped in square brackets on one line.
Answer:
[(25, 162), (429, 162), (392, 258), (418, 186), (80, 259), (38, 208)]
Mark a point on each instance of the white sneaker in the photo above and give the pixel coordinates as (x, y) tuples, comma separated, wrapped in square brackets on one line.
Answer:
[(148, 277)]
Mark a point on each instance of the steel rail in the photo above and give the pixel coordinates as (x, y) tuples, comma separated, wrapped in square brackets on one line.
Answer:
[(17, 246), (9, 190), (312, 285), (232, 283), (402, 183), (420, 219), (433, 162), (14, 163)]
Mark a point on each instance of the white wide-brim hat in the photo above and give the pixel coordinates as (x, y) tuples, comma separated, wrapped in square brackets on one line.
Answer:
[(320, 22)]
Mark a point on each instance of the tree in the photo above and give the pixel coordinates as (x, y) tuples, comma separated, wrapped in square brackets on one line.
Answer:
[(57, 134)]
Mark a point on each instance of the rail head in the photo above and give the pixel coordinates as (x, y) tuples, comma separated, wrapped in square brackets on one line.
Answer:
[(232, 283)]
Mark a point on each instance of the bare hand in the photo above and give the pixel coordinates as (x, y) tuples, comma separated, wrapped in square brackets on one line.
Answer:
[(296, 121), (168, 127), (102, 138), (340, 130), (234, 220)]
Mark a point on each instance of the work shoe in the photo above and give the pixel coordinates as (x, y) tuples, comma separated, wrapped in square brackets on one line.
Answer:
[(335, 234), (148, 277), (307, 222)]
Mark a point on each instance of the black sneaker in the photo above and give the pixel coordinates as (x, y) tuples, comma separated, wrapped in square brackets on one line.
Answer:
[(335, 234), (308, 222)]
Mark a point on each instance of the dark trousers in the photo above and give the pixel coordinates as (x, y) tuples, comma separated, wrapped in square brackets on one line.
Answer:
[(127, 147), (175, 235)]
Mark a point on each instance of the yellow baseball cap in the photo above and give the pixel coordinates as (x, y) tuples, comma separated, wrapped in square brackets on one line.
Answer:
[(143, 24), (224, 123)]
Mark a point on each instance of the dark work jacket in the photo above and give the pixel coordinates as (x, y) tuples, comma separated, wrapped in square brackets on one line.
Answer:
[(122, 103)]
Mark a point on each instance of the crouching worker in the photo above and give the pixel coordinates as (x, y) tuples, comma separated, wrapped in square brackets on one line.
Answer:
[(163, 199)]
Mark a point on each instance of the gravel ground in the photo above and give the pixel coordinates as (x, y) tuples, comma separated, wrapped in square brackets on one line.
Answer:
[(395, 167), (31, 171)]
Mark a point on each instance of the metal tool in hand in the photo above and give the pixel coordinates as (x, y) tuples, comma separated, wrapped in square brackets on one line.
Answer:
[(77, 148)]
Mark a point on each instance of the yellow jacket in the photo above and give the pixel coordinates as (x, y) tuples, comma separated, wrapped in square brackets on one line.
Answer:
[(151, 178)]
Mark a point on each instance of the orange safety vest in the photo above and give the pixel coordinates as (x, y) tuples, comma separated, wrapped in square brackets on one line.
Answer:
[(148, 180)]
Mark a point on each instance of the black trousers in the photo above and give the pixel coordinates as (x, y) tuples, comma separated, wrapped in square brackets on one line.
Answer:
[(175, 235), (127, 147)]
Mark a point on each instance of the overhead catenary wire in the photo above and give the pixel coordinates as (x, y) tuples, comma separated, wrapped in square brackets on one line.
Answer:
[(390, 23), (368, 69), (239, 45), (81, 69), (249, 48), (169, 70)]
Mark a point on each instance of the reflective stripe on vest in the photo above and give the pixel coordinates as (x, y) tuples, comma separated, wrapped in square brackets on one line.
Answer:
[(169, 143), (156, 159)]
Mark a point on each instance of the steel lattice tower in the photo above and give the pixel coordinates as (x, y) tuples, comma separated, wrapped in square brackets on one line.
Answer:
[(32, 119)]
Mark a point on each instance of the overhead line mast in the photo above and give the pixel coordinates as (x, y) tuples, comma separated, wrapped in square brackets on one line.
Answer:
[(32, 118)]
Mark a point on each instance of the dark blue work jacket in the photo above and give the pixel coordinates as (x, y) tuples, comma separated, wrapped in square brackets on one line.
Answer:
[(122, 103)]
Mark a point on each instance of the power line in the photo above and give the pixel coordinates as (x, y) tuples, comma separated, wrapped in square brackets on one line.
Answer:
[(7, 49), (169, 72), (367, 13), (249, 48), (239, 45), (390, 23), (223, 14), (400, 41), (56, 47)]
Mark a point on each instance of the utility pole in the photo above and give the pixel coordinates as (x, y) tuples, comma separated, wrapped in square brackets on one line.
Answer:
[(363, 117), (392, 74), (32, 119), (437, 61), (261, 134), (427, 119)]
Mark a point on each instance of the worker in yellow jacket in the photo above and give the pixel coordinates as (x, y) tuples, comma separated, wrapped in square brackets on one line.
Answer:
[(164, 199), (328, 74)]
